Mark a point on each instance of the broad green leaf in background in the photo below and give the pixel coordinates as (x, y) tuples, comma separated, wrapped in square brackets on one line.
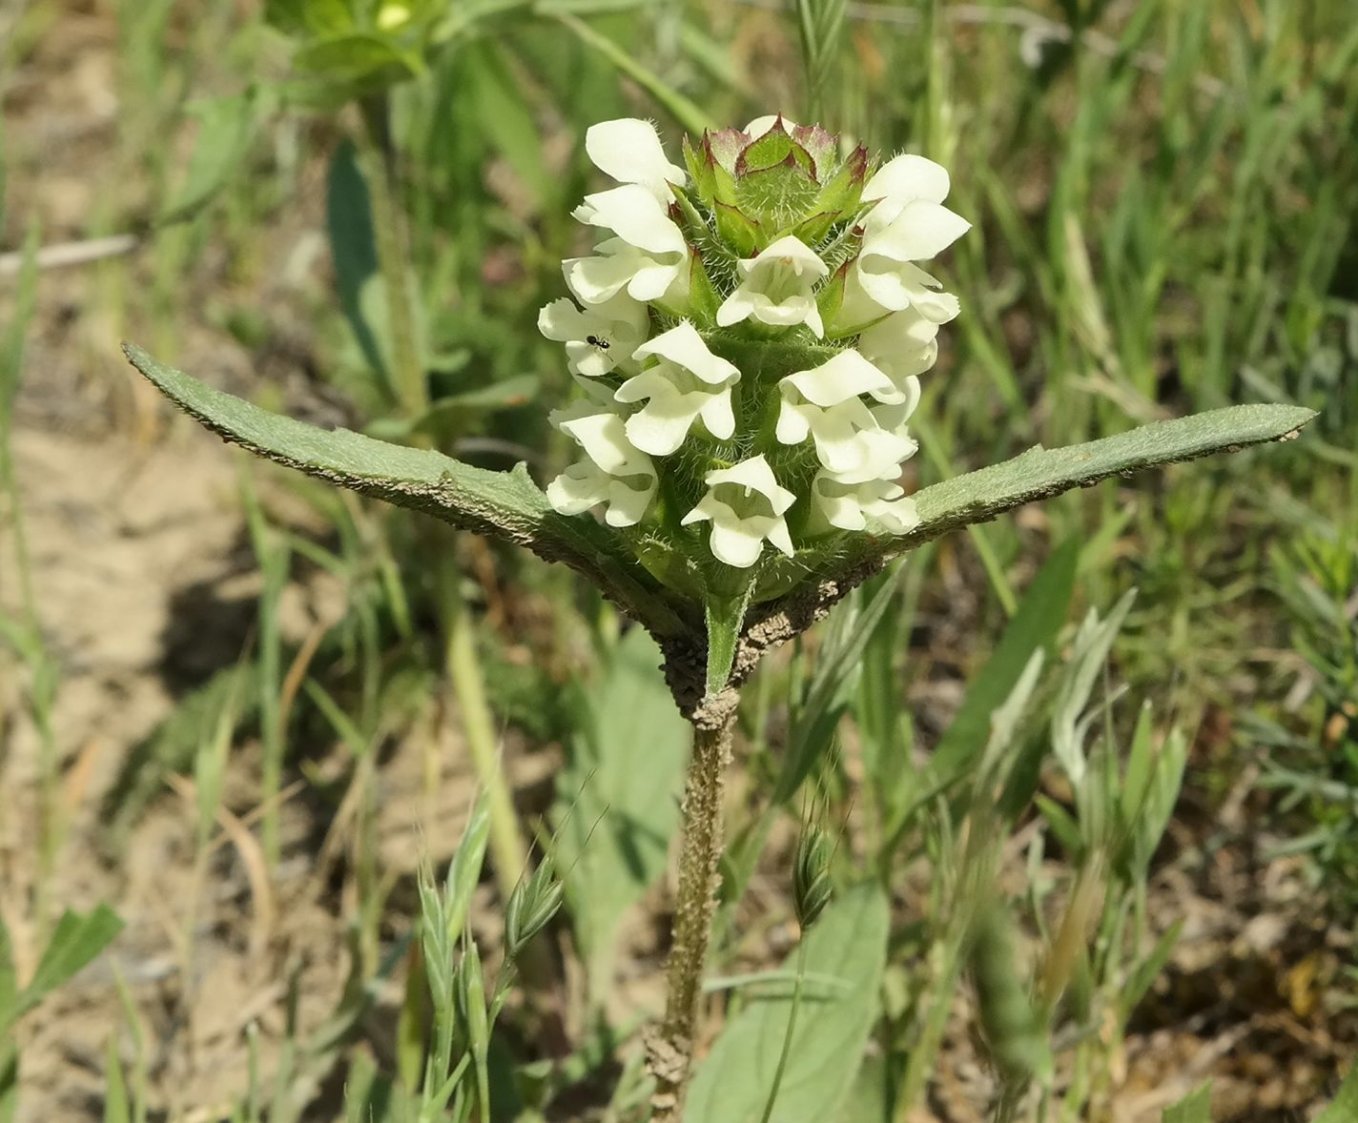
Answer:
[(77, 939), (226, 126), (498, 97), (1196, 1107), (618, 799), (848, 944), (310, 17), (506, 505), (360, 61), (348, 220), (1345, 1106)]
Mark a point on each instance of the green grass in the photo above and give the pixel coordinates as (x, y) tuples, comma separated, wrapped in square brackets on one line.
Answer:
[(1164, 223)]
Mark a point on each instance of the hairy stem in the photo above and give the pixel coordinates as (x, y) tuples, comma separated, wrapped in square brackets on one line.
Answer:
[(670, 1049)]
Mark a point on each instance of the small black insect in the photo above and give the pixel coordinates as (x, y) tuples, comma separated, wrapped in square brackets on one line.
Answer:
[(595, 341)]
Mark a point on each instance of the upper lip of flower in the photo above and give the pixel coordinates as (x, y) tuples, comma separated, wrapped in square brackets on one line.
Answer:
[(630, 151)]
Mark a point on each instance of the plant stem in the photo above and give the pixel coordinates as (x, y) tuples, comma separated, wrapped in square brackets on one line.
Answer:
[(788, 1034), (670, 1049)]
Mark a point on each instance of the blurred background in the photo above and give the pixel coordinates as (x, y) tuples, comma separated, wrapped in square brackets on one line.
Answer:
[(239, 708)]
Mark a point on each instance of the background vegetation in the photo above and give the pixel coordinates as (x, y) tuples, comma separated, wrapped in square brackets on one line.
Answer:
[(244, 711)]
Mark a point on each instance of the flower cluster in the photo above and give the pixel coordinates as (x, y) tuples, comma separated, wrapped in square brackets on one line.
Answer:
[(748, 337)]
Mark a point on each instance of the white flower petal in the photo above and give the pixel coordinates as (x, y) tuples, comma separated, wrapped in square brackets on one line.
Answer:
[(660, 427), (604, 439), (790, 252), (601, 277), (627, 504), (845, 375), (683, 345), (577, 489), (777, 287), (922, 230), (904, 178), (736, 542), (778, 535), (792, 427), (630, 151), (754, 474), (634, 215), (718, 415), (760, 125)]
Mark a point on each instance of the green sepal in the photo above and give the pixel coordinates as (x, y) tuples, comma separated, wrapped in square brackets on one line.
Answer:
[(812, 230), (741, 233), (831, 297), (844, 192), (725, 616), (723, 187), (701, 170), (703, 298), (773, 148)]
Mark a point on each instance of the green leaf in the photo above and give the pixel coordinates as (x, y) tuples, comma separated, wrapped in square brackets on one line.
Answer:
[(813, 724), (1345, 1106), (357, 62), (1033, 627), (226, 126), (1043, 473), (618, 799), (1196, 1107), (688, 113), (116, 1107), (505, 505), (353, 249), (78, 938), (9, 1048), (848, 943), (725, 615), (497, 96), (309, 17)]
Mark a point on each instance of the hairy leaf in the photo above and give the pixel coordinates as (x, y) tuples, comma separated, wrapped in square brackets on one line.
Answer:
[(506, 505), (847, 944), (1042, 473), (618, 799)]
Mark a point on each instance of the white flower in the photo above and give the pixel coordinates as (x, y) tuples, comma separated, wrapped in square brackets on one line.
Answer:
[(901, 180), (777, 287), (599, 338), (612, 472), (906, 285), (630, 151), (825, 404), (908, 224), (687, 383), (901, 345), (745, 504), (850, 506), (635, 215), (619, 266)]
